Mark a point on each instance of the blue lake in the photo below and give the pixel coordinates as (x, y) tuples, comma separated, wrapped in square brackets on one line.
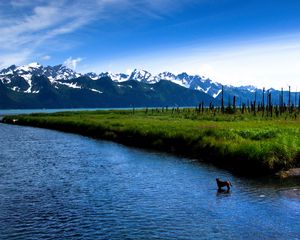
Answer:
[(55, 185)]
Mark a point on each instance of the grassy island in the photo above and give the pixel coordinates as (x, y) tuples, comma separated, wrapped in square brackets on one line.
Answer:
[(247, 143)]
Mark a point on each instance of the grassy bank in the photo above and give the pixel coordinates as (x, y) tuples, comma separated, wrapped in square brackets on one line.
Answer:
[(244, 143)]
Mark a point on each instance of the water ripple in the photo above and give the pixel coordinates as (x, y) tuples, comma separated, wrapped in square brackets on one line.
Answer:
[(62, 186)]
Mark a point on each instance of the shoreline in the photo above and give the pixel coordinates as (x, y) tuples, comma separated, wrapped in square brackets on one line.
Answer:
[(236, 162)]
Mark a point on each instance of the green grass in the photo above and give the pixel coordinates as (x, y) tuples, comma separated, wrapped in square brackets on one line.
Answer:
[(242, 142)]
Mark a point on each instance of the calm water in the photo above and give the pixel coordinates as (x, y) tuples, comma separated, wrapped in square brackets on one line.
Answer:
[(4, 112), (62, 186)]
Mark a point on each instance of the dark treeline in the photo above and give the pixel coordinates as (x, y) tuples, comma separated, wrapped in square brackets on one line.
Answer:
[(269, 103), (266, 103), (243, 96)]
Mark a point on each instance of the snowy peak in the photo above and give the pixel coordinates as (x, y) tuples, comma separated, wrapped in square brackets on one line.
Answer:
[(249, 88), (20, 78), (166, 76), (23, 79), (121, 77), (60, 72), (194, 82), (92, 75), (30, 67), (26, 71), (116, 77), (143, 76), (188, 80), (34, 65), (57, 72), (8, 70)]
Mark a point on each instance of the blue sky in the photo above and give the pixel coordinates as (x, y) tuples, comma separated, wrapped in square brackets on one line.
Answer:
[(230, 41)]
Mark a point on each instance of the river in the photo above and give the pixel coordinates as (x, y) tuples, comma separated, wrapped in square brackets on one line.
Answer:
[(4, 112), (55, 185)]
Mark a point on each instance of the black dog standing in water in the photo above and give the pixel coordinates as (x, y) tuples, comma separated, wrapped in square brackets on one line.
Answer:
[(223, 184)]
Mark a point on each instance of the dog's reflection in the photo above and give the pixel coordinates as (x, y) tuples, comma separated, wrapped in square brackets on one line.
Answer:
[(223, 193)]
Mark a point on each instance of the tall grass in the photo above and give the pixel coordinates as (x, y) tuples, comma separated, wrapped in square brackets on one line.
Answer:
[(243, 143)]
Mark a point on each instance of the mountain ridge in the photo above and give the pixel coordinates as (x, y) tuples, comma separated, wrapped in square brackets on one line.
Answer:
[(61, 72), (57, 85)]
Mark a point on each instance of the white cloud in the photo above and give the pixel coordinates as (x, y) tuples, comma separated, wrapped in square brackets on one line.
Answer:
[(41, 21), (273, 62), (270, 63), (72, 62), (44, 21), (267, 64)]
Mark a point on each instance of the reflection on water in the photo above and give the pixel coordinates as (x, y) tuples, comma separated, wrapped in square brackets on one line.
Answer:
[(57, 185)]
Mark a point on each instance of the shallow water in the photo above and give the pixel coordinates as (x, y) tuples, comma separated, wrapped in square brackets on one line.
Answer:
[(62, 186)]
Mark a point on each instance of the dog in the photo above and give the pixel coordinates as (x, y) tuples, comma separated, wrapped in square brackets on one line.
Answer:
[(223, 184)]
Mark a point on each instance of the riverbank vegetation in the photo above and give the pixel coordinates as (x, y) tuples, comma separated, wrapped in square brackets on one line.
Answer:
[(244, 141)]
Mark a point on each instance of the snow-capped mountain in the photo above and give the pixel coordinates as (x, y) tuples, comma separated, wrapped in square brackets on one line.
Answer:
[(35, 86), (20, 85), (248, 88), (92, 75), (143, 76), (58, 72), (116, 77), (20, 78), (194, 82)]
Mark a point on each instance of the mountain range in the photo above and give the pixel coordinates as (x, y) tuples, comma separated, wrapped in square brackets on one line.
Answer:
[(36, 86)]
